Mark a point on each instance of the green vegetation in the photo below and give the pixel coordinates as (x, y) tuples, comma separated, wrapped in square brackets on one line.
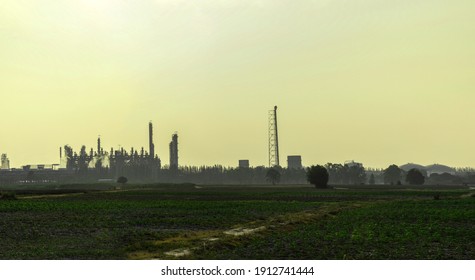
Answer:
[(273, 176), (392, 175), (392, 230), (122, 180), (237, 222), (415, 177), (7, 195), (317, 175)]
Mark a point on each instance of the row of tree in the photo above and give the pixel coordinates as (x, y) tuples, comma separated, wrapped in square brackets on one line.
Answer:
[(320, 175), (143, 169), (394, 175), (346, 174)]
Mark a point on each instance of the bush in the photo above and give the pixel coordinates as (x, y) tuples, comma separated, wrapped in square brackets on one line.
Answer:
[(273, 176), (122, 180), (415, 177), (317, 175)]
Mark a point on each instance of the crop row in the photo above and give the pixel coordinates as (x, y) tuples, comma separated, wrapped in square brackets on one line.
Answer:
[(100, 228), (395, 230)]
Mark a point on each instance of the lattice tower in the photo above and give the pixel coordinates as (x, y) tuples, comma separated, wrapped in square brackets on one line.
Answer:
[(273, 139)]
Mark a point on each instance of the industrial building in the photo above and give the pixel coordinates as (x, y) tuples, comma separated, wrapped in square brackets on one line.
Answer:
[(84, 166), (118, 161), (351, 163), (294, 162), (40, 167), (5, 163), (244, 163)]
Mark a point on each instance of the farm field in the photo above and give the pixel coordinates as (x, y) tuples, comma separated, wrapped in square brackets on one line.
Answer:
[(185, 221)]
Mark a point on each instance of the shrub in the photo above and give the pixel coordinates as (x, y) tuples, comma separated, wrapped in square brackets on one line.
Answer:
[(122, 180), (273, 176), (317, 175), (415, 177)]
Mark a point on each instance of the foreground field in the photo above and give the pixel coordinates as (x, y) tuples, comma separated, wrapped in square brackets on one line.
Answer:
[(229, 222)]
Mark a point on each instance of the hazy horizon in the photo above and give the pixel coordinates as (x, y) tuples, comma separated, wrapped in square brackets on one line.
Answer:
[(378, 82)]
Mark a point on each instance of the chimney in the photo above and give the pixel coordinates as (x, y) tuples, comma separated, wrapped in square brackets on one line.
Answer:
[(150, 140)]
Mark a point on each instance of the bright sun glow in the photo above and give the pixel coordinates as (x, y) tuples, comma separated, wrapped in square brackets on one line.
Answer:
[(99, 5), (105, 13)]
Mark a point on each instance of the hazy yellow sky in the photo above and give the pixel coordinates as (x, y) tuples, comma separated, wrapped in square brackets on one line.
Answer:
[(377, 81)]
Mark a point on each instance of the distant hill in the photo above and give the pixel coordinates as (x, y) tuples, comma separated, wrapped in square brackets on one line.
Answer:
[(434, 168), (409, 166), (439, 169)]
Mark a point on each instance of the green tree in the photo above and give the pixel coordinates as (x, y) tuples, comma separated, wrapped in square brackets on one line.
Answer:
[(317, 175), (372, 181), (392, 174), (356, 174), (273, 176), (415, 177), (338, 173)]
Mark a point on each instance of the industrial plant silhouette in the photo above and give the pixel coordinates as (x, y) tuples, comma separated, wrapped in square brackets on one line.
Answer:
[(145, 166), (141, 165)]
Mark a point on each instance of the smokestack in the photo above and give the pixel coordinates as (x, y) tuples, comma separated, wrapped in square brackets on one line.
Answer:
[(99, 145), (174, 151), (150, 140)]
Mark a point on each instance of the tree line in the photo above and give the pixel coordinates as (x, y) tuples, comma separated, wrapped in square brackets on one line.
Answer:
[(143, 169)]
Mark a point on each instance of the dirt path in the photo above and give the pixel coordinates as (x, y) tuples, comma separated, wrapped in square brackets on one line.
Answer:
[(79, 193), (184, 245)]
